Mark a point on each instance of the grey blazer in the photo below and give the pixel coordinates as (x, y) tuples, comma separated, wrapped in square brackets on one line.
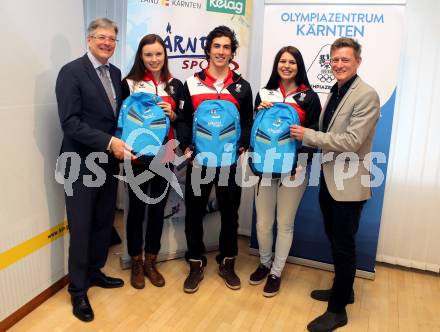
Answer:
[(347, 142)]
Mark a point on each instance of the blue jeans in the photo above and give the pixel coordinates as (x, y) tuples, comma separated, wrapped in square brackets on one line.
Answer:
[(281, 203)]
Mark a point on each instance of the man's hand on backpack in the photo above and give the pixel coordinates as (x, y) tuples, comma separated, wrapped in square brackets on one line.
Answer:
[(297, 132), (120, 149)]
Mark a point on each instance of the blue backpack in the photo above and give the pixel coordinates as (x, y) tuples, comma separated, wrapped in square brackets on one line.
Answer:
[(216, 132), (270, 135), (143, 124)]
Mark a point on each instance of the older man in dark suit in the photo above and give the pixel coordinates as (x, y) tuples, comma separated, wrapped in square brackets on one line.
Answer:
[(347, 126), (89, 96)]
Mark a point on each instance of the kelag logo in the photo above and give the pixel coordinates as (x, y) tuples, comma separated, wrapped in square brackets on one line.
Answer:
[(237, 7)]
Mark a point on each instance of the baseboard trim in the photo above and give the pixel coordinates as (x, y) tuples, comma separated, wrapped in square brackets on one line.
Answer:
[(318, 265), (15, 317)]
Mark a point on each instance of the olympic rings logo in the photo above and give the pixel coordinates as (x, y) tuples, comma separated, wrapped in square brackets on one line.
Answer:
[(327, 78)]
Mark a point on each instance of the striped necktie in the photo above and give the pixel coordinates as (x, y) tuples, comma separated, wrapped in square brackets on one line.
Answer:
[(105, 80)]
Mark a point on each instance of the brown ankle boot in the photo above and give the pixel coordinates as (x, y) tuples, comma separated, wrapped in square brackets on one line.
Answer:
[(137, 279), (151, 272)]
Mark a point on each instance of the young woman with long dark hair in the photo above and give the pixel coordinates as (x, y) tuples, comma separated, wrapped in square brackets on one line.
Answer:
[(288, 83), (149, 74)]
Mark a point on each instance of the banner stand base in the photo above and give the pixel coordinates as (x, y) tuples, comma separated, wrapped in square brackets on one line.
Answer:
[(318, 265)]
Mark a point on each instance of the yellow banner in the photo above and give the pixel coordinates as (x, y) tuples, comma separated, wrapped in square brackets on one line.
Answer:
[(26, 248)]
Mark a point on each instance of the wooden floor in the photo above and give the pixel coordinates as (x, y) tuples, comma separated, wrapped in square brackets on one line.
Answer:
[(398, 300)]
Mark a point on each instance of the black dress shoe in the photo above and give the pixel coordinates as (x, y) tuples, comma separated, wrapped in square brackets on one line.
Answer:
[(327, 322), (82, 308), (324, 295), (103, 281)]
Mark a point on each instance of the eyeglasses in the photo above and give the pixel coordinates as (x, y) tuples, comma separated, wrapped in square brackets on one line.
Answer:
[(103, 38)]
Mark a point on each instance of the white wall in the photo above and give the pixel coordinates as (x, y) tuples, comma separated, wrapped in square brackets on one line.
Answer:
[(38, 37), (410, 228)]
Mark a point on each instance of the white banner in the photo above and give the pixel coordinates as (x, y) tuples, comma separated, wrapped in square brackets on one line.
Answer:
[(312, 29), (184, 25)]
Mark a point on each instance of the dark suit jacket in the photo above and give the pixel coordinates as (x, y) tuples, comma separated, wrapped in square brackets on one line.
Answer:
[(86, 115)]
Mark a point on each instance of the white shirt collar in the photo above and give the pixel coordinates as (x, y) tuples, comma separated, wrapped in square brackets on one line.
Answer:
[(95, 62)]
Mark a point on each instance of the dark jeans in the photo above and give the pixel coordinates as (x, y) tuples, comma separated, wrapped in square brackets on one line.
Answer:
[(228, 197), (136, 214), (341, 221)]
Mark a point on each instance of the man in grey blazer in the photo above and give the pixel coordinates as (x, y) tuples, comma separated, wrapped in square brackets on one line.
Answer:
[(347, 126), (88, 93)]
